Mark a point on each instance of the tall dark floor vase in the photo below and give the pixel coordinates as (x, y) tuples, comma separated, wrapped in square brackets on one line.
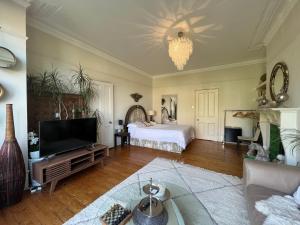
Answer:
[(12, 168)]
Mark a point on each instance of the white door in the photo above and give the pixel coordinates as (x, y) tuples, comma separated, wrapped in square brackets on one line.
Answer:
[(207, 114), (104, 103)]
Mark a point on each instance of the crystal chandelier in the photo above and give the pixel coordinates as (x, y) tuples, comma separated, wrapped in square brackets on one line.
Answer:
[(180, 50)]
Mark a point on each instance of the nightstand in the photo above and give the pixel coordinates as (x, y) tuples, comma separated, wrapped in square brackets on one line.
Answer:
[(124, 136)]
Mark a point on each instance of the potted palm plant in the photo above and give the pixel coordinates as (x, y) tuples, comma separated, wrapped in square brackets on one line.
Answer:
[(49, 83), (291, 143), (86, 89), (57, 89)]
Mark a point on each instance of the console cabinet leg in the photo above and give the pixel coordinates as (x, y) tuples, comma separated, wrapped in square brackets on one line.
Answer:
[(53, 185)]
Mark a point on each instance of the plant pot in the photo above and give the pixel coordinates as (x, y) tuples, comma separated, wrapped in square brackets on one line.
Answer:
[(35, 155), (292, 155), (57, 116)]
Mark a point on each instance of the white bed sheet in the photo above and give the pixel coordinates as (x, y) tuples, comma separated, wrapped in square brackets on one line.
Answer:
[(179, 134)]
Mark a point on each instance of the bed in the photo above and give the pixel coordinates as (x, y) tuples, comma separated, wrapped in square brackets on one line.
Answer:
[(167, 137)]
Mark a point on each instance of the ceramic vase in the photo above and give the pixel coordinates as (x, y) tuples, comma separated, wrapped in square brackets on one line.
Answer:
[(292, 157), (35, 155), (12, 167), (292, 152)]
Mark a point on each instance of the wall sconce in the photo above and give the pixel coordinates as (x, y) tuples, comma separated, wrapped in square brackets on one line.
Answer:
[(136, 96)]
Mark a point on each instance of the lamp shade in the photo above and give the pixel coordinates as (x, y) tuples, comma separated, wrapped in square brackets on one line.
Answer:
[(151, 112)]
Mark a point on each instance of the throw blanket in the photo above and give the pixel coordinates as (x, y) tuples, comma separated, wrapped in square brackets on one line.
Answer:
[(279, 210), (297, 196)]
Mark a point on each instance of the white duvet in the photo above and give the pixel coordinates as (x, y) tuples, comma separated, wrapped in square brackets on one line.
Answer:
[(179, 134)]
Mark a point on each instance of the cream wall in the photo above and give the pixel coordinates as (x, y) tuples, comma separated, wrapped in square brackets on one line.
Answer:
[(45, 50), (285, 46), (236, 91), (13, 80)]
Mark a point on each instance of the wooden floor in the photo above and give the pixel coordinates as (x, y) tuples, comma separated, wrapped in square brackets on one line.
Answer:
[(78, 191)]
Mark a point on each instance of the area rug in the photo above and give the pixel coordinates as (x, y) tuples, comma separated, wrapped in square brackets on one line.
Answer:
[(221, 195)]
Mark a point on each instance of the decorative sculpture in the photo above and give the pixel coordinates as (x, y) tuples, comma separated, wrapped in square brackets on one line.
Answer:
[(136, 96), (258, 152), (150, 210), (12, 168)]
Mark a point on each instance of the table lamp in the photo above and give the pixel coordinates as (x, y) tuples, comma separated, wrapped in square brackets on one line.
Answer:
[(120, 128), (151, 113)]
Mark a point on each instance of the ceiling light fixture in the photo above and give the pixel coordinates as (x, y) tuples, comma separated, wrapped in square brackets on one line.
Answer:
[(180, 50)]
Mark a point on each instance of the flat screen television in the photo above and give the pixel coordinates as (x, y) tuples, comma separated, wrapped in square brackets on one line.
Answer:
[(60, 136)]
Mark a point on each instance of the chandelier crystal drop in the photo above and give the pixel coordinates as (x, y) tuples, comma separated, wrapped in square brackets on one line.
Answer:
[(180, 50)]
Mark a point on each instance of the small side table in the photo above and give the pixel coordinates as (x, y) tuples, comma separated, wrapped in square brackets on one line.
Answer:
[(123, 136)]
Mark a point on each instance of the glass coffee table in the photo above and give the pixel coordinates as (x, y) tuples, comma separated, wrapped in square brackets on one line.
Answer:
[(183, 207)]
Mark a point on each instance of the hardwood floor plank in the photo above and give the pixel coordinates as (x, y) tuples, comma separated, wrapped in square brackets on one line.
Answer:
[(79, 190), (7, 218)]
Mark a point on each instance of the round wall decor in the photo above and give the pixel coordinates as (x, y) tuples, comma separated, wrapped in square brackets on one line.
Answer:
[(279, 81)]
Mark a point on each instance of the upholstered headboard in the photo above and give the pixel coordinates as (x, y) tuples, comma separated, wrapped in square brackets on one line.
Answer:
[(135, 113)]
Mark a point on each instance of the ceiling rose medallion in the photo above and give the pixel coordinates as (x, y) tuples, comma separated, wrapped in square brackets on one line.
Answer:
[(180, 50)]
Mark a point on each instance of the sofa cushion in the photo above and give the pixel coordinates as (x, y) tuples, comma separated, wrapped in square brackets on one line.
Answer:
[(256, 193)]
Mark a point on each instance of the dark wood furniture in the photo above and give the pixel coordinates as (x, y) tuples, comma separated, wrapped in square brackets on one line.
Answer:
[(232, 133), (41, 108), (124, 136), (59, 167)]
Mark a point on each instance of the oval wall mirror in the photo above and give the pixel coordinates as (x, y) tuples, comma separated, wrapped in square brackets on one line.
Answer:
[(1, 91), (7, 58), (279, 82)]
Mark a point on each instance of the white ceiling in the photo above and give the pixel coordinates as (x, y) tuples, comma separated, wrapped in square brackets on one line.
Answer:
[(137, 31)]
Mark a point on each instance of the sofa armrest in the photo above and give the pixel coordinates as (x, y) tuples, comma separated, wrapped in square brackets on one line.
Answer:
[(271, 175)]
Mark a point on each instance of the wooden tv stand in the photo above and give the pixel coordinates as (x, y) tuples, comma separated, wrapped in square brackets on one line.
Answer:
[(61, 166)]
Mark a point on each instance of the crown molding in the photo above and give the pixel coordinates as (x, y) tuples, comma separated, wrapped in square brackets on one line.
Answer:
[(212, 68), (263, 27), (282, 16), (74, 41), (23, 3)]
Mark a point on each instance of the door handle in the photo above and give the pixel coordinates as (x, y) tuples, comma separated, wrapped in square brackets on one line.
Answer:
[(110, 122)]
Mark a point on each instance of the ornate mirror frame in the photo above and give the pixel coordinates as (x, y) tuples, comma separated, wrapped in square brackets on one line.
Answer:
[(283, 67)]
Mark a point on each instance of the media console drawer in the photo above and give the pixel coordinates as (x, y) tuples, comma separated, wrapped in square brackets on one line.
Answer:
[(56, 171), (59, 167)]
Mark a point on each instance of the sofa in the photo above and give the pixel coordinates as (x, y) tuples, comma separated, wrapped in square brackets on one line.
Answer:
[(264, 179)]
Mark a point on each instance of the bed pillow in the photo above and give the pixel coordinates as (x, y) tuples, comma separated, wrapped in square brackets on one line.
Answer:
[(153, 123), (136, 124), (140, 124), (147, 124)]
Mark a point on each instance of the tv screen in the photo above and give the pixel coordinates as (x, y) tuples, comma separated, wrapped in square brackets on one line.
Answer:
[(59, 136)]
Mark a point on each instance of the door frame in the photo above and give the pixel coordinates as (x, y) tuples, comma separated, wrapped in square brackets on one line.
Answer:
[(218, 139), (98, 83)]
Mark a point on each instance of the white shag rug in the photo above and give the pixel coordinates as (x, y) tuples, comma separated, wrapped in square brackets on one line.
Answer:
[(222, 195)]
